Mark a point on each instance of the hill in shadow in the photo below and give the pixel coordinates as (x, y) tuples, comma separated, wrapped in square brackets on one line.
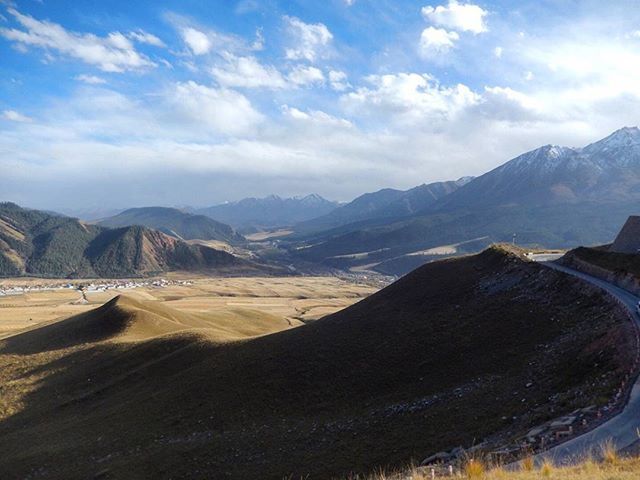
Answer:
[(457, 352)]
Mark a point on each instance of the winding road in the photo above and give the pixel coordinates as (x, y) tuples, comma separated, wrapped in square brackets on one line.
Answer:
[(623, 430)]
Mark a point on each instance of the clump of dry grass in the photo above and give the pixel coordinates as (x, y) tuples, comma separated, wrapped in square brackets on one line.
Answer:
[(527, 463), (610, 454), (546, 469), (587, 469), (474, 468)]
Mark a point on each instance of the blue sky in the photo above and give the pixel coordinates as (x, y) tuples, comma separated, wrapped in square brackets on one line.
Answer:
[(115, 104)]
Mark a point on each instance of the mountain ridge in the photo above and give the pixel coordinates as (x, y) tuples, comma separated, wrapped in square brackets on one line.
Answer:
[(558, 197), (269, 212), (37, 243), (174, 222), (384, 203)]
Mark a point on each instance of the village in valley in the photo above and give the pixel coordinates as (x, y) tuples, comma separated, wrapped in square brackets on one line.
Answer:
[(82, 286)]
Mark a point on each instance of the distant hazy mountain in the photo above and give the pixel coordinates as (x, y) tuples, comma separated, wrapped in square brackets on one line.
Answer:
[(33, 242), (552, 196), (88, 214), (386, 203), (175, 223), (271, 211)]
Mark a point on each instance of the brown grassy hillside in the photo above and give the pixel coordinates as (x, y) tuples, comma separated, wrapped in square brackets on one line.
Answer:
[(438, 359), (620, 263), (38, 243)]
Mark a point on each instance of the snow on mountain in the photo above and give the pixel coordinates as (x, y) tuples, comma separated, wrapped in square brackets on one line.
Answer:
[(621, 148), (607, 170)]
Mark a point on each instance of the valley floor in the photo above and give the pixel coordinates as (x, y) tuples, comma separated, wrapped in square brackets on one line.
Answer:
[(293, 299)]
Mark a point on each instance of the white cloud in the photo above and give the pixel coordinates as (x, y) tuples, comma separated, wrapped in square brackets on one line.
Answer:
[(464, 17), (410, 98), (201, 40), (434, 41), (310, 41), (316, 117), (506, 104), (14, 116), (258, 43), (113, 53), (197, 41), (338, 80), (146, 37), (305, 75), (198, 144), (247, 72), (91, 79), (222, 110), (400, 128), (349, 3)]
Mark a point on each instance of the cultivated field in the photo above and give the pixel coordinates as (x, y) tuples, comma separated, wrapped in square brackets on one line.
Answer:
[(293, 299)]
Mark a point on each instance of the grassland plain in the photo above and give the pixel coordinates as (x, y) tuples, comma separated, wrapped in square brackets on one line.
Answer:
[(294, 299), (481, 347)]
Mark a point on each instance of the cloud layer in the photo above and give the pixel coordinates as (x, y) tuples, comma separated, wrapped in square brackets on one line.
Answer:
[(193, 113)]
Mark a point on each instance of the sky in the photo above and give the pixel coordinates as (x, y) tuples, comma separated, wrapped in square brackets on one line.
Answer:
[(114, 104)]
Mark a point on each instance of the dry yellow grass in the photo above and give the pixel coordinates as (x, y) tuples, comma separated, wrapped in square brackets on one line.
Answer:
[(546, 469), (623, 469), (474, 469), (528, 464), (292, 299), (609, 453)]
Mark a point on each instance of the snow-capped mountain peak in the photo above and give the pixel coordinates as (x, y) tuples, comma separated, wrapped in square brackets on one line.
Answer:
[(624, 138), (541, 160)]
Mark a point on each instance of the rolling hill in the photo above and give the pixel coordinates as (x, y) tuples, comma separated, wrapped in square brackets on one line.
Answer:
[(557, 197), (460, 351), (269, 212), (38, 243), (174, 222)]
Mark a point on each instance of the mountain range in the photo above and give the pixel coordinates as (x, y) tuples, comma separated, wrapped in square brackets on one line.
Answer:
[(174, 222), (552, 196), (604, 171), (38, 243), (385, 203), (250, 214)]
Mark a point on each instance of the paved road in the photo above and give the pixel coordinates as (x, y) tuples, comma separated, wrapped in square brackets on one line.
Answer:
[(623, 429)]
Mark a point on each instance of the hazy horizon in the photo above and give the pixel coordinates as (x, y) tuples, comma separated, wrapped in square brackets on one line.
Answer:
[(189, 103)]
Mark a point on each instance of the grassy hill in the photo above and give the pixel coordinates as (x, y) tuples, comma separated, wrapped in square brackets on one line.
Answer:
[(440, 358), (38, 243), (176, 223), (620, 263)]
